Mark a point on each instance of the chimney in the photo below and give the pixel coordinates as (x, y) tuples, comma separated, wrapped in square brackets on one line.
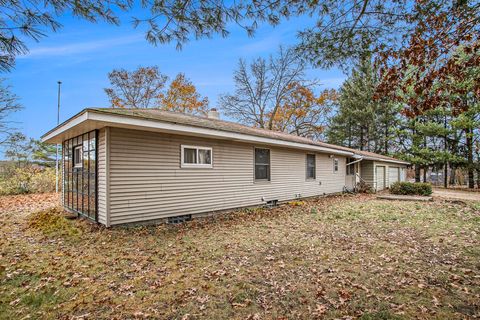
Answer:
[(213, 114)]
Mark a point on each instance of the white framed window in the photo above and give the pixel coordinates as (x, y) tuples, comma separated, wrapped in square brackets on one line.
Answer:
[(335, 165), (311, 167), (196, 157), (78, 157)]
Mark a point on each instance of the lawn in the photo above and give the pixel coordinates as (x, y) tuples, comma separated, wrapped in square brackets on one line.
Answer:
[(340, 257)]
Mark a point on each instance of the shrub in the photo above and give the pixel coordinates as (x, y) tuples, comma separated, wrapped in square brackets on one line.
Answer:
[(364, 187), (410, 188), (27, 179)]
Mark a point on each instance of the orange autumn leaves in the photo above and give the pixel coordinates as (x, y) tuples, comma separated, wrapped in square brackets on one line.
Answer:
[(302, 112), (145, 87), (182, 96)]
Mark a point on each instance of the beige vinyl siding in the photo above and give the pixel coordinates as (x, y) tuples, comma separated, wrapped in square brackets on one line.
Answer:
[(367, 169), (102, 177), (147, 183)]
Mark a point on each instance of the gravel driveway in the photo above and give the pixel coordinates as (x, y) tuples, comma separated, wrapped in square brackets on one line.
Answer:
[(456, 194)]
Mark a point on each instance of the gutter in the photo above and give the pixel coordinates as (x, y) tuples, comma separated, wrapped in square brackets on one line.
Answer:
[(387, 160)]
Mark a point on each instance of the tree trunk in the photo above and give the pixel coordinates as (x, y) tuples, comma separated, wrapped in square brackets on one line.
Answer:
[(417, 173), (425, 174), (445, 148), (445, 175), (386, 135), (361, 138), (478, 178), (452, 174), (469, 140), (349, 133)]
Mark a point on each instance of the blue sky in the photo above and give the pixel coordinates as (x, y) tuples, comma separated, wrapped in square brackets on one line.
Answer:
[(81, 54)]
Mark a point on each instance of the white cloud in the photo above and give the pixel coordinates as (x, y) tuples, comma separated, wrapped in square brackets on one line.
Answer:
[(268, 44), (332, 82), (82, 47)]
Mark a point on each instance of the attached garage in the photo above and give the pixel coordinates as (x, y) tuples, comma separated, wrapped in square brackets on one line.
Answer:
[(379, 171), (393, 175), (380, 177)]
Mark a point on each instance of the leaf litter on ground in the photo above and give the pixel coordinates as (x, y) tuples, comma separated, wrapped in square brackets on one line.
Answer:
[(356, 257)]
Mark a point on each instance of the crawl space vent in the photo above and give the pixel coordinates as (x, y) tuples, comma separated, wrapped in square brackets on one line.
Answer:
[(179, 219), (272, 203)]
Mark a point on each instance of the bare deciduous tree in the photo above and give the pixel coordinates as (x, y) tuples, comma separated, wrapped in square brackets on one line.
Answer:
[(135, 89), (274, 94), (8, 104)]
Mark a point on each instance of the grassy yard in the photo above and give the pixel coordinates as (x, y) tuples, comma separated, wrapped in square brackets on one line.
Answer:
[(343, 257)]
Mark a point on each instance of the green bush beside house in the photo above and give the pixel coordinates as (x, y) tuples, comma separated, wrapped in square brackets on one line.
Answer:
[(410, 188)]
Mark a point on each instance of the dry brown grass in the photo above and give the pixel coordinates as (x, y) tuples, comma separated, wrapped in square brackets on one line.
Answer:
[(328, 258)]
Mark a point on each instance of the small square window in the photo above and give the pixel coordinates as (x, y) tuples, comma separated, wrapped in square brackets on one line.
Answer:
[(78, 157)]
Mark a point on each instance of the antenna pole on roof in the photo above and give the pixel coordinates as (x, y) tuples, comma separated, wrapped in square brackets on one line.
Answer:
[(58, 122)]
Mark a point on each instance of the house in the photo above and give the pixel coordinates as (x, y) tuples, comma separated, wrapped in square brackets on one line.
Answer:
[(142, 165)]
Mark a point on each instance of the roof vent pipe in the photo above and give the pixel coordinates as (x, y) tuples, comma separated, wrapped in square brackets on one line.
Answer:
[(213, 114)]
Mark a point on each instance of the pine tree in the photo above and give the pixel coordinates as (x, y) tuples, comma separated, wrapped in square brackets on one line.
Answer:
[(363, 122)]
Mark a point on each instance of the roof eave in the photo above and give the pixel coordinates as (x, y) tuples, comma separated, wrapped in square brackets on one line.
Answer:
[(64, 126), (116, 120), (386, 160)]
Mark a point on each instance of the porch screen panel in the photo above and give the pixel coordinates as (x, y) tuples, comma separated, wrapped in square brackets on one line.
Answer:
[(80, 181)]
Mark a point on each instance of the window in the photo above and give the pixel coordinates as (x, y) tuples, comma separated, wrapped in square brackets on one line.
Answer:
[(310, 166), (80, 174), (262, 164), (335, 165), (196, 157), (77, 157)]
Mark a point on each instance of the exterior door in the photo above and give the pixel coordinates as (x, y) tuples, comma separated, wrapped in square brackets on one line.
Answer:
[(393, 175), (380, 177)]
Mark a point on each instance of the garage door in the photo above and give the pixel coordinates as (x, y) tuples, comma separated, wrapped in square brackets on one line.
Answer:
[(393, 175), (402, 174), (380, 173)]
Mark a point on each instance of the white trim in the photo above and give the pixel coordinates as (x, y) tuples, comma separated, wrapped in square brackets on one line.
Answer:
[(66, 126), (126, 121), (195, 165)]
